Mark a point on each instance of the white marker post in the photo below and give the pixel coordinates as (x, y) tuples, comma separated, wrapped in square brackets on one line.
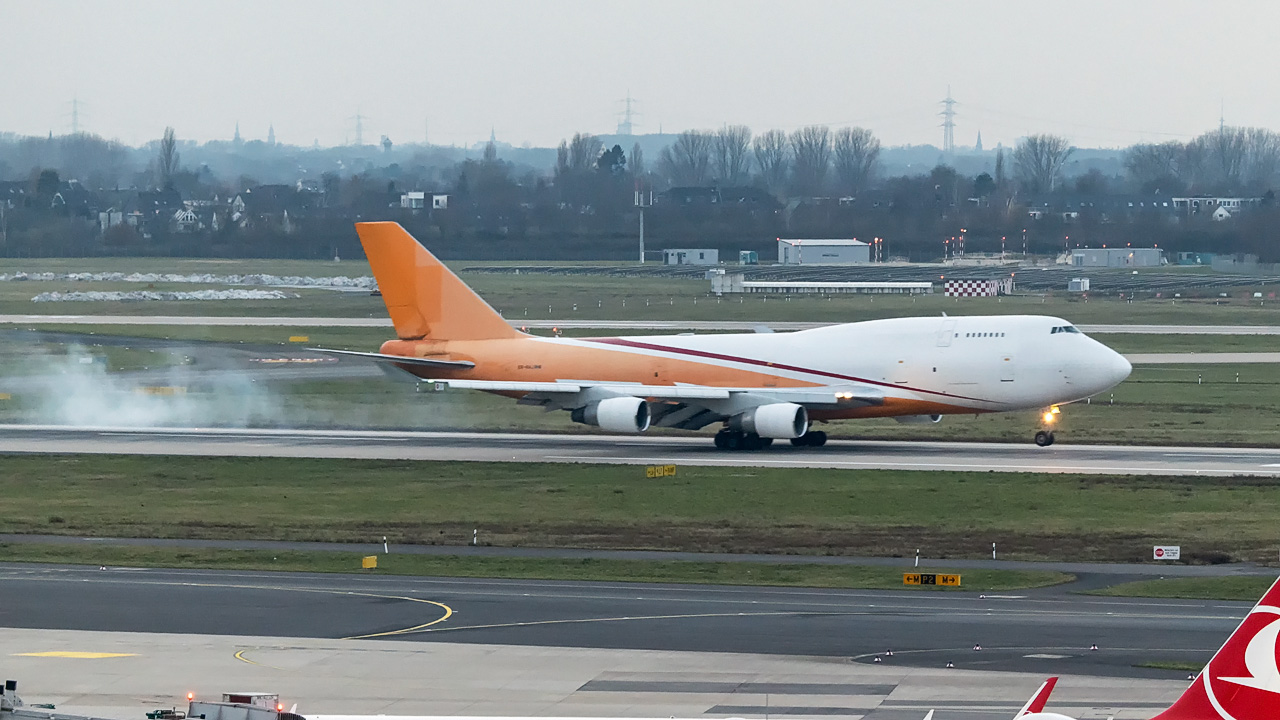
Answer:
[(386, 549), (993, 551), (917, 557)]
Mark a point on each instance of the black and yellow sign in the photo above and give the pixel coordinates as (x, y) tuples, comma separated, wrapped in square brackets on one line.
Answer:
[(657, 471), (930, 579)]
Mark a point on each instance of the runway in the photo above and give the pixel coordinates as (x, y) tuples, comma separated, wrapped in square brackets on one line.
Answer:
[(1062, 457), (1044, 631)]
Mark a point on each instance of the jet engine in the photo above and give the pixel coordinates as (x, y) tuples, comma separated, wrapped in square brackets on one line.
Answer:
[(775, 420), (918, 419), (619, 414)]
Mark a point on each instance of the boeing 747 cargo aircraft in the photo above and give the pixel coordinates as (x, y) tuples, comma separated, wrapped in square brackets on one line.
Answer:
[(756, 387)]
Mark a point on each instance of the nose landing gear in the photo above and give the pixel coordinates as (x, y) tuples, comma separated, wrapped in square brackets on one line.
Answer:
[(1044, 437)]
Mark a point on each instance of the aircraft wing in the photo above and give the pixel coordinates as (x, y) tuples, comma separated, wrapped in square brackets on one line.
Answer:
[(687, 407), (400, 359)]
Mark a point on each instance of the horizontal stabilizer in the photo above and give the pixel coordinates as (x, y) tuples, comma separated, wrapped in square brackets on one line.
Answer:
[(402, 360)]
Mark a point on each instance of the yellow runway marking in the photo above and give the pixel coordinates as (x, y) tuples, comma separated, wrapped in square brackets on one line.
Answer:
[(240, 656), (75, 655)]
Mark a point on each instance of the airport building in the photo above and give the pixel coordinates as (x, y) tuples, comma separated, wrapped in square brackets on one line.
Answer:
[(822, 252), (691, 256), (1117, 257)]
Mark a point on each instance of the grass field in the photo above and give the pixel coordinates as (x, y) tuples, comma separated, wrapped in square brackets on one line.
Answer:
[(544, 296), (702, 509), (713, 573), (1224, 588)]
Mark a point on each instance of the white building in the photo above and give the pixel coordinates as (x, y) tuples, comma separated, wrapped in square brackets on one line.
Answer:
[(822, 252), (1117, 257), (691, 256)]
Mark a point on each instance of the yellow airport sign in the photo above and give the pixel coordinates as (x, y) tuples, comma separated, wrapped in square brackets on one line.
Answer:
[(162, 390), (299, 338), (369, 562), (657, 471), (930, 579)]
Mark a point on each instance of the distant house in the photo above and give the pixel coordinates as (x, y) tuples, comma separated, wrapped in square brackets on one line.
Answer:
[(690, 196), (185, 221), (1210, 205), (418, 201), (280, 206), (73, 199), (13, 193)]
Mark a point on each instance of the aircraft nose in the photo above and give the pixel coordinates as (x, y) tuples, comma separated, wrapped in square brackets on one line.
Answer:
[(1117, 368)]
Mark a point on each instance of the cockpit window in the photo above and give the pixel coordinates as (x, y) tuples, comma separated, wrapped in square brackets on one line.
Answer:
[(1064, 329)]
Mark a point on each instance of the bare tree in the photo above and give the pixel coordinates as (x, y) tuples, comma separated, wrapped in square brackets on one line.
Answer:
[(687, 161), (811, 147), (856, 152), (168, 160), (636, 161), (772, 157), (1262, 160), (562, 159), (584, 150), (1038, 160), (732, 154), (1227, 150), (1001, 176), (1150, 164)]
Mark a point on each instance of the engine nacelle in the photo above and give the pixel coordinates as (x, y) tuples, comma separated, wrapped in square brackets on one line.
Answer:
[(918, 419), (619, 414), (775, 420)]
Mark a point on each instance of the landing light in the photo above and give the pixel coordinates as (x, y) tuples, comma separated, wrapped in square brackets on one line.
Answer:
[(191, 696), (1048, 418)]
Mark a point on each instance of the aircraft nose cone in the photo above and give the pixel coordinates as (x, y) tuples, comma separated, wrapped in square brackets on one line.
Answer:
[(1118, 368)]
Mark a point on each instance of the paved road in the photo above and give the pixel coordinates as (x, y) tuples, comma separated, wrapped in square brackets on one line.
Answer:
[(380, 322), (646, 450), (923, 628)]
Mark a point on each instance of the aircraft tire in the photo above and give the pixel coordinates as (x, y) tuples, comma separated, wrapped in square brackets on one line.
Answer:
[(1044, 439), (766, 442), (815, 438), (800, 441), (733, 441), (721, 440)]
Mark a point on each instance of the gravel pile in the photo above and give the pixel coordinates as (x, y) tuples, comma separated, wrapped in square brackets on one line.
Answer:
[(144, 295), (340, 282)]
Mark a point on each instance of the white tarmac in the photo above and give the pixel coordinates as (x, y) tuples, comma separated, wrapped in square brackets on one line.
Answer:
[(123, 675)]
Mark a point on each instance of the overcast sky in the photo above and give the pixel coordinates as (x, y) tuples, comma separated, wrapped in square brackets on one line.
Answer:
[(1102, 72)]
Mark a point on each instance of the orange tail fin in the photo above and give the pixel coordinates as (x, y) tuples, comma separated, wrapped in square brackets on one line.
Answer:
[(1242, 681), (423, 298)]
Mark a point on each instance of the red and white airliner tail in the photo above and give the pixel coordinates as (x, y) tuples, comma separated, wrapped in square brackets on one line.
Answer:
[(1037, 702), (1242, 681)]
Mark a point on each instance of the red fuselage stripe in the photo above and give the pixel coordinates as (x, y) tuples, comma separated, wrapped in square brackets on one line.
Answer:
[(778, 366)]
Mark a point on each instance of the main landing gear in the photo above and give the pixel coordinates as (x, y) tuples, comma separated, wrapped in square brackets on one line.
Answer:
[(737, 440), (813, 438), (1044, 438)]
